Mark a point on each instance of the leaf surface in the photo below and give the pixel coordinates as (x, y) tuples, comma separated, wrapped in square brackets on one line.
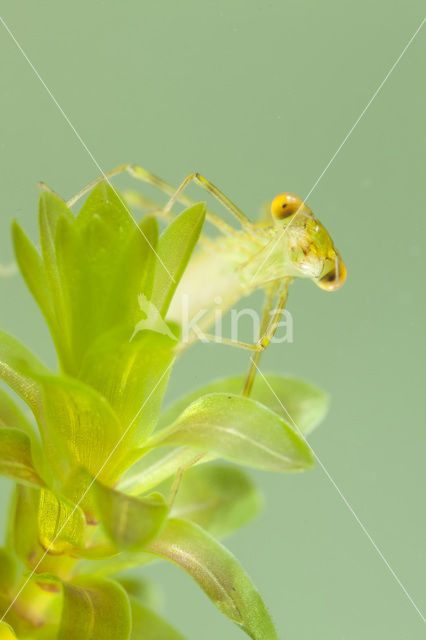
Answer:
[(147, 625), (11, 415), (93, 608), (132, 376), (17, 368), (218, 497), (7, 571), (33, 272), (294, 400), (6, 632), (130, 522), (61, 524), (79, 427), (15, 457), (218, 573), (241, 430), (175, 248)]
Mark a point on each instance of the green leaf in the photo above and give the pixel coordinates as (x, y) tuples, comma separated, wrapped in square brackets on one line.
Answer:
[(175, 248), (111, 566), (238, 429), (79, 428), (105, 262), (7, 571), (131, 375), (6, 632), (33, 272), (130, 522), (15, 457), (147, 625), (11, 415), (61, 524), (156, 466), (218, 573), (105, 203), (134, 274), (93, 609), (141, 590), (287, 396), (24, 529), (17, 368), (218, 497), (52, 211)]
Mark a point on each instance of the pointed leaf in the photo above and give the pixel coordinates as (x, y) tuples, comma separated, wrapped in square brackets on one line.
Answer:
[(175, 248), (15, 457), (33, 272), (105, 261), (24, 529), (147, 625), (134, 274), (218, 573), (218, 497), (93, 609), (238, 429), (61, 524), (79, 427), (11, 415), (105, 202), (130, 522), (131, 375), (287, 396), (17, 368), (52, 210)]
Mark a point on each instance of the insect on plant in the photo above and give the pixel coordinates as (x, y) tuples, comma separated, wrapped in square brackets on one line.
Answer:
[(267, 255), (107, 478)]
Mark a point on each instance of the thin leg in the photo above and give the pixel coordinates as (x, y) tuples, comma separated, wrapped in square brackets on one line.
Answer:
[(137, 201), (268, 333), (140, 202), (178, 479), (216, 193), (145, 176), (255, 358)]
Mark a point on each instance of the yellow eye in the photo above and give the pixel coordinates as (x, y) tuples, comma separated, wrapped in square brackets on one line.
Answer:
[(335, 278), (285, 204)]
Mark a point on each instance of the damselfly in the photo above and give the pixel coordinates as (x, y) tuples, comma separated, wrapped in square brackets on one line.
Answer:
[(294, 244)]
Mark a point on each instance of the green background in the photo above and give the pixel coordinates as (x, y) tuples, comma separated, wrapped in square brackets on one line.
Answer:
[(258, 95)]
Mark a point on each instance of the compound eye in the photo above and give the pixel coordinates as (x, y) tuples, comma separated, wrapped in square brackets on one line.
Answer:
[(285, 204), (335, 278)]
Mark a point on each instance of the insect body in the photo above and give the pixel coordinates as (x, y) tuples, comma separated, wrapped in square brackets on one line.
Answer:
[(295, 245)]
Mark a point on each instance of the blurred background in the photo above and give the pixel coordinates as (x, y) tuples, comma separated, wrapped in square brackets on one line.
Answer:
[(258, 95)]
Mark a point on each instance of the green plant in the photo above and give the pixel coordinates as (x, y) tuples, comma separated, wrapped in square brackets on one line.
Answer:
[(104, 480)]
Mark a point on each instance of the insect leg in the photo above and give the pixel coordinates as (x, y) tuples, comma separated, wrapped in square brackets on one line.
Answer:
[(146, 176), (216, 193), (178, 478), (268, 329), (268, 326), (140, 202)]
